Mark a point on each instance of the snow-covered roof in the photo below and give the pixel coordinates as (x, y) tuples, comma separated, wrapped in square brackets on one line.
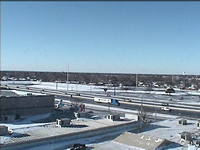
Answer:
[(8, 93), (141, 141)]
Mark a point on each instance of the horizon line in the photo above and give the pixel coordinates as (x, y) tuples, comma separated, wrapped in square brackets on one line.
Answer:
[(101, 72)]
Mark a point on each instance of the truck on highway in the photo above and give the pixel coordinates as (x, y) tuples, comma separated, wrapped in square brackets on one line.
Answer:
[(59, 105), (107, 100)]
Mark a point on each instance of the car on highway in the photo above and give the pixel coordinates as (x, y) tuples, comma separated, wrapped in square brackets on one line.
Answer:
[(78, 146), (165, 104), (127, 100), (166, 108)]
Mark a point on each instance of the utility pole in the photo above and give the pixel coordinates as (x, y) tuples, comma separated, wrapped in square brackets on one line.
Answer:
[(155, 113), (197, 83), (141, 114), (56, 85), (67, 76), (108, 107), (136, 80)]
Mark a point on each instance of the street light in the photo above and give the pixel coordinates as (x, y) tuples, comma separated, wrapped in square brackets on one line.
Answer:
[(56, 84)]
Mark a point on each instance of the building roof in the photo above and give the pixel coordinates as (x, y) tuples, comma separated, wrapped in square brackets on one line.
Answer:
[(141, 141), (7, 93)]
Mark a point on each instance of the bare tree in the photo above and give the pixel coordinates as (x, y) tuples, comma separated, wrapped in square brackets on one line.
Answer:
[(142, 115), (75, 104)]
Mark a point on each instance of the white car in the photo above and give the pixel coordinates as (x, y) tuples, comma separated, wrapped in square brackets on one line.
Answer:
[(165, 108)]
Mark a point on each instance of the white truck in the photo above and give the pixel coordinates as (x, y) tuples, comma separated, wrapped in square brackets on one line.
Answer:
[(107, 100)]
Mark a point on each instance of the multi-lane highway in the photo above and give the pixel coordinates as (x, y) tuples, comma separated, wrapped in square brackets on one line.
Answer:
[(145, 107), (148, 105)]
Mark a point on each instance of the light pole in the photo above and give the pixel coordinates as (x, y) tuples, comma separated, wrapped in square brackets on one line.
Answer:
[(67, 76), (155, 113), (136, 80), (108, 107), (56, 84)]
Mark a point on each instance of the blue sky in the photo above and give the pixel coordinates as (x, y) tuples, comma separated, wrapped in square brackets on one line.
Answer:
[(106, 37)]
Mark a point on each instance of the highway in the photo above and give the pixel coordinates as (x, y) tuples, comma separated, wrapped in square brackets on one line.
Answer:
[(137, 106), (148, 105)]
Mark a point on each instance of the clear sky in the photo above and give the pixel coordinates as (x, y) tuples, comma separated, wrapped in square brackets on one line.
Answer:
[(105, 37)]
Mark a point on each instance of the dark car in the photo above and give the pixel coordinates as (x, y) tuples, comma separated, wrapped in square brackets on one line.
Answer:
[(78, 146)]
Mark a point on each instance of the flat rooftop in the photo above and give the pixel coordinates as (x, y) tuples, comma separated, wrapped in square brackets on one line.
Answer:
[(7, 93), (77, 127)]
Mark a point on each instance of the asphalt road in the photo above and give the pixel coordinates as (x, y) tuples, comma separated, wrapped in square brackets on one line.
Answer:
[(137, 107), (154, 107)]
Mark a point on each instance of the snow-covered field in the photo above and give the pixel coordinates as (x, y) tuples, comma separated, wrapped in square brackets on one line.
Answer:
[(84, 87), (192, 97)]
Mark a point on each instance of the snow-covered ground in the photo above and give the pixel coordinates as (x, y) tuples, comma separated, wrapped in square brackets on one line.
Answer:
[(190, 97), (22, 93), (84, 87), (168, 129), (21, 126)]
